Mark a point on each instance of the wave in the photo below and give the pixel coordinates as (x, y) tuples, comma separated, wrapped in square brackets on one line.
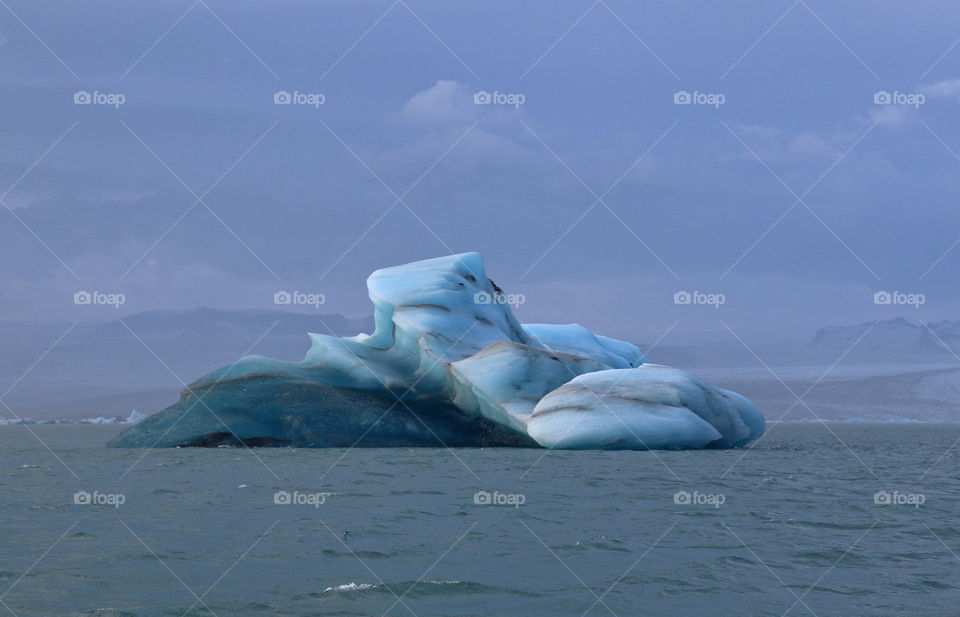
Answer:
[(415, 589), (350, 587), (364, 586)]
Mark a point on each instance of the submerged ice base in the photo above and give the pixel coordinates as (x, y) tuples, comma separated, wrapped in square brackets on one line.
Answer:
[(448, 364)]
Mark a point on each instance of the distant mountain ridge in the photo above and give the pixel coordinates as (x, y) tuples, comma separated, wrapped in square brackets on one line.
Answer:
[(205, 322), (898, 335), (99, 369)]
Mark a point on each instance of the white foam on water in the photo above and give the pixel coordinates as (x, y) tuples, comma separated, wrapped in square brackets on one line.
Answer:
[(350, 587), (362, 586)]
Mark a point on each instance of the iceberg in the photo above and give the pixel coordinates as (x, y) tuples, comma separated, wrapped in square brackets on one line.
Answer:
[(448, 364)]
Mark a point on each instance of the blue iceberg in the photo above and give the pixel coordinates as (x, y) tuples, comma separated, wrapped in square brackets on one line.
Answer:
[(448, 364)]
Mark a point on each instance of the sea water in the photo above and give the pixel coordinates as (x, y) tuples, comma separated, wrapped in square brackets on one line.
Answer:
[(839, 519)]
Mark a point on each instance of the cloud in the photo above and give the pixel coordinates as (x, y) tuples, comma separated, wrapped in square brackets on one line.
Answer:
[(777, 146), (890, 115), (946, 89), (443, 104), (442, 114), (450, 103)]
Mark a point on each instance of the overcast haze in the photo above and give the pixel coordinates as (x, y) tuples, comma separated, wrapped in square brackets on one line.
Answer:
[(597, 199)]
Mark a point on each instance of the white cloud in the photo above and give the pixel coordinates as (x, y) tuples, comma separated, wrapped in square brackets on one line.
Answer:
[(946, 89), (890, 115), (442, 104), (776, 146), (442, 113), (450, 103)]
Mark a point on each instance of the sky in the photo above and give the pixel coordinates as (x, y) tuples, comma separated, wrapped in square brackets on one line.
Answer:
[(781, 162)]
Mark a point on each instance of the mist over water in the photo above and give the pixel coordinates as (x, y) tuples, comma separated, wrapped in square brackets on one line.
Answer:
[(865, 528)]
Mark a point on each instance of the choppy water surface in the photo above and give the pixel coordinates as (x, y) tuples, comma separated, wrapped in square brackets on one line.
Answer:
[(791, 526)]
